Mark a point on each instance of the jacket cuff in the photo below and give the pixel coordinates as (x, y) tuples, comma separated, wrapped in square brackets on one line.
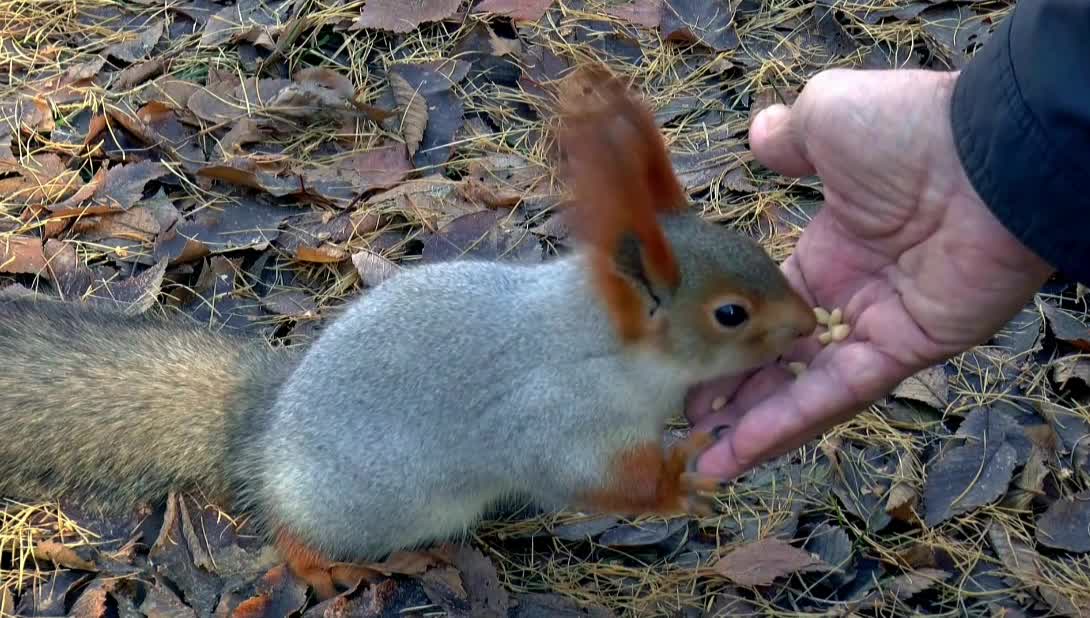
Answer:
[(1011, 161)]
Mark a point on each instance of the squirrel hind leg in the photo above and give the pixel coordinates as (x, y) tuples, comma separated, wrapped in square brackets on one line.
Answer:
[(646, 479), (318, 572)]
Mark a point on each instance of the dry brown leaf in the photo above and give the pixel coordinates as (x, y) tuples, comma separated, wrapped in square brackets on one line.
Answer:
[(709, 22), (434, 201), (902, 587), (137, 44), (21, 254), (322, 254), (928, 386), (343, 179), (255, 22), (1021, 561), (1071, 368), (326, 78), (414, 112), (45, 180), (518, 10), (373, 268), (407, 563), (62, 556), (647, 13), (1065, 326), (403, 15), (245, 131), (762, 562), (139, 73)]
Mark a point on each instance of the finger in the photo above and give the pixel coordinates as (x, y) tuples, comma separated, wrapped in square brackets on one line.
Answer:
[(711, 396), (759, 387), (851, 378), (777, 144)]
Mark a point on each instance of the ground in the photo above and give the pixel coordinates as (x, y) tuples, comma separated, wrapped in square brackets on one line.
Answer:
[(251, 165)]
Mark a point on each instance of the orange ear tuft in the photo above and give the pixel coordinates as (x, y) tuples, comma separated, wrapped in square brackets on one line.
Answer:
[(619, 171)]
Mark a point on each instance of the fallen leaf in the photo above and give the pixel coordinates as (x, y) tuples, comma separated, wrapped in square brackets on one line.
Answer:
[(445, 109), (518, 10), (291, 303), (373, 268), (991, 425), (1066, 524), (698, 170), (641, 534), (46, 597), (482, 235), (1029, 483), (1071, 368), (45, 180), (403, 15), (647, 13), (248, 172), (966, 477), (860, 483), (709, 22), (833, 547), (244, 224), (364, 601), (955, 28), (762, 562), (254, 22), (414, 112), (585, 529), (139, 73), (1065, 326), (902, 587), (434, 201), (161, 601), (343, 179), (903, 494), (322, 254), (486, 596), (123, 185), (92, 601), (21, 254), (132, 295), (137, 44), (62, 556), (278, 593), (928, 386), (1022, 562), (1022, 334)]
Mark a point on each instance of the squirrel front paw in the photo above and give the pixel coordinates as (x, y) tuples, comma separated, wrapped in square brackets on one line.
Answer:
[(648, 480), (692, 486)]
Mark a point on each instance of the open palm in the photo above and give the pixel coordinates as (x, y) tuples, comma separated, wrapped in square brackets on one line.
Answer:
[(903, 245)]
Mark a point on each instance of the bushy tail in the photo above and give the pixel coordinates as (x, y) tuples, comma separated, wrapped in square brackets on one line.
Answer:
[(116, 411)]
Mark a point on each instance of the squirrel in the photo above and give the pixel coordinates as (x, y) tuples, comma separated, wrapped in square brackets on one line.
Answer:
[(436, 394)]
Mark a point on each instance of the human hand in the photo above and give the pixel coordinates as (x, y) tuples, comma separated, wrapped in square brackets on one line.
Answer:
[(903, 245)]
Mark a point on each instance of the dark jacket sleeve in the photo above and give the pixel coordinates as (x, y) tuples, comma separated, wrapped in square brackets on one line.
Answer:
[(1021, 120)]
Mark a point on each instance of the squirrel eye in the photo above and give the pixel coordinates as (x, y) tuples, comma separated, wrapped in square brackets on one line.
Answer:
[(731, 316)]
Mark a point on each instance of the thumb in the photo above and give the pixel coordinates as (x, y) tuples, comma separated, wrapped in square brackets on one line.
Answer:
[(777, 144)]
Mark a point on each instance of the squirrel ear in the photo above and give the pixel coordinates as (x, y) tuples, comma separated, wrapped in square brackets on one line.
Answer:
[(619, 171)]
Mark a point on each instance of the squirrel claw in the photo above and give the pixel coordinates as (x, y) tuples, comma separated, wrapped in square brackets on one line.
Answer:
[(690, 482)]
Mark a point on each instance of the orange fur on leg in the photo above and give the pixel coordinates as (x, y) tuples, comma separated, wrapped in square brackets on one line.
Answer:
[(318, 572), (647, 480)]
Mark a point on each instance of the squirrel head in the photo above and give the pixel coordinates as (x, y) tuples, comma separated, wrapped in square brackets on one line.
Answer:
[(705, 296)]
